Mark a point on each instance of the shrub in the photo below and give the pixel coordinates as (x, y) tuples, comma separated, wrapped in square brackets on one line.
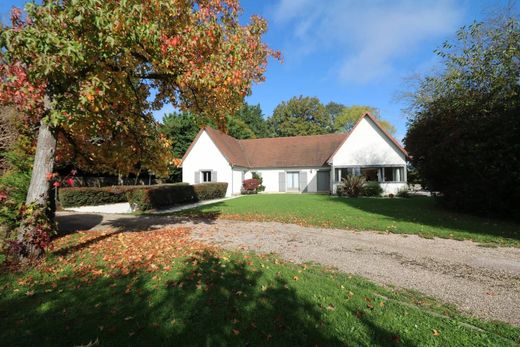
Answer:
[(13, 190), (156, 197), (352, 186), (257, 177), (372, 189), (86, 196), (463, 137), (250, 186), (208, 191), (403, 193)]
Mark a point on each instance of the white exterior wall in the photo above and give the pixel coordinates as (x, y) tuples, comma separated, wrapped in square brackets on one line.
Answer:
[(367, 145), (205, 155), (393, 187), (238, 177), (270, 178)]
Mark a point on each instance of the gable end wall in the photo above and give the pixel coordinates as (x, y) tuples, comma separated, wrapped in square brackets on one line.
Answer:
[(368, 145), (205, 155)]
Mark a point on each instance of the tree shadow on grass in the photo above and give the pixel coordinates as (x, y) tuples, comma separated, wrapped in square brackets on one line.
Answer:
[(424, 210), (207, 301), (70, 223), (151, 222)]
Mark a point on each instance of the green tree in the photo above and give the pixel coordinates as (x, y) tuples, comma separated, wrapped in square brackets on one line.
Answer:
[(300, 116), (349, 115), (180, 128), (252, 116), (91, 72), (464, 130), (334, 109), (237, 128)]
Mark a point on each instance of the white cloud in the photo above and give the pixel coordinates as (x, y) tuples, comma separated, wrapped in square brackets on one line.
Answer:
[(369, 37)]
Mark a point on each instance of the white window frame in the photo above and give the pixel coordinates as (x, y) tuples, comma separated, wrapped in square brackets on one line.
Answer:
[(399, 177), (295, 173)]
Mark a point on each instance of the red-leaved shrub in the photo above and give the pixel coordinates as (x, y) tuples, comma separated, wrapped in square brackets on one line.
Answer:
[(250, 185)]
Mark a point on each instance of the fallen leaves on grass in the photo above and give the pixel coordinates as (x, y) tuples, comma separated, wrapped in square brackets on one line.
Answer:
[(95, 254)]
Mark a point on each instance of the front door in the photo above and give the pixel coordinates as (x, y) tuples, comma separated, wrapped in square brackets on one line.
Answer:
[(323, 181), (293, 181)]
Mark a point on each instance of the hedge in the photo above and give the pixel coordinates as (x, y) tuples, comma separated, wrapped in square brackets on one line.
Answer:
[(155, 197), (371, 189), (87, 196)]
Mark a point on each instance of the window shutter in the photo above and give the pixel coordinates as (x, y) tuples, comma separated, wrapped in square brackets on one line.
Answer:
[(197, 176), (303, 181), (281, 181), (213, 176)]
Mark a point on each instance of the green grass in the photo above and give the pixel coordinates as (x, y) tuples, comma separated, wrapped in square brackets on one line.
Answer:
[(418, 215), (232, 299)]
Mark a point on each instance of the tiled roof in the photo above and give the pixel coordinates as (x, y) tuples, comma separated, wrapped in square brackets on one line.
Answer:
[(297, 151), (282, 152)]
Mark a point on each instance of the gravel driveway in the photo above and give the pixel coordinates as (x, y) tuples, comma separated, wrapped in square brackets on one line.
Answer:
[(479, 280)]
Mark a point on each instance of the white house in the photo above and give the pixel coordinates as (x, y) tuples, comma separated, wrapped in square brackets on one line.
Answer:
[(299, 164)]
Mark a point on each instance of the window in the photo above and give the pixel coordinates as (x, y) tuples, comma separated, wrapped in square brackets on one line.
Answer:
[(293, 180), (343, 173), (374, 173), (206, 176), (394, 174), (370, 173)]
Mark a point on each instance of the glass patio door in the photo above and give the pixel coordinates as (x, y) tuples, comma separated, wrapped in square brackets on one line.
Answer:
[(293, 181)]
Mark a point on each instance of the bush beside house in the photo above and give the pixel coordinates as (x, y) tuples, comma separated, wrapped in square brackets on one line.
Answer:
[(250, 186), (351, 186), (260, 180), (155, 197), (354, 186), (90, 196), (209, 191), (371, 189)]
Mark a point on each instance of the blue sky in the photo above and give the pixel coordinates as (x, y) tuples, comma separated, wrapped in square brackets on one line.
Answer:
[(350, 51)]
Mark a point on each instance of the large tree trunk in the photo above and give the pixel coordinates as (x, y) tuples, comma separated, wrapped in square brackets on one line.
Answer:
[(43, 165), (29, 234)]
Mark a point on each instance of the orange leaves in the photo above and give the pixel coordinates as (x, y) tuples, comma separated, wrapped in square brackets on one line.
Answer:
[(122, 253)]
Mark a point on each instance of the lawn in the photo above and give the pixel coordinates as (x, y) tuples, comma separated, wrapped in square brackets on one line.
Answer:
[(418, 215), (159, 288)]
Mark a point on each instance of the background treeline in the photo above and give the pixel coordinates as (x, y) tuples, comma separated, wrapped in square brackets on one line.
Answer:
[(295, 117)]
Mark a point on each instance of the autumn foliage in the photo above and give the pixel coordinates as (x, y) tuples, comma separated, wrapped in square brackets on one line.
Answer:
[(123, 252), (250, 185), (92, 72), (106, 65)]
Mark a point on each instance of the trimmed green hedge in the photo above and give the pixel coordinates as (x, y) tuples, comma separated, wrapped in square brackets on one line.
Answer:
[(155, 197), (372, 189), (88, 196)]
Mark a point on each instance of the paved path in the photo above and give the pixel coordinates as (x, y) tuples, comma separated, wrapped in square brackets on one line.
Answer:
[(124, 207), (479, 280)]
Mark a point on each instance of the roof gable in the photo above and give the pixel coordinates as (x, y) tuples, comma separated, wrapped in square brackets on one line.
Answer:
[(227, 145), (383, 130)]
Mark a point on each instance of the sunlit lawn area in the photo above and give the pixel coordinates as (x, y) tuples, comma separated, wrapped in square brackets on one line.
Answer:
[(418, 215), (158, 288)]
